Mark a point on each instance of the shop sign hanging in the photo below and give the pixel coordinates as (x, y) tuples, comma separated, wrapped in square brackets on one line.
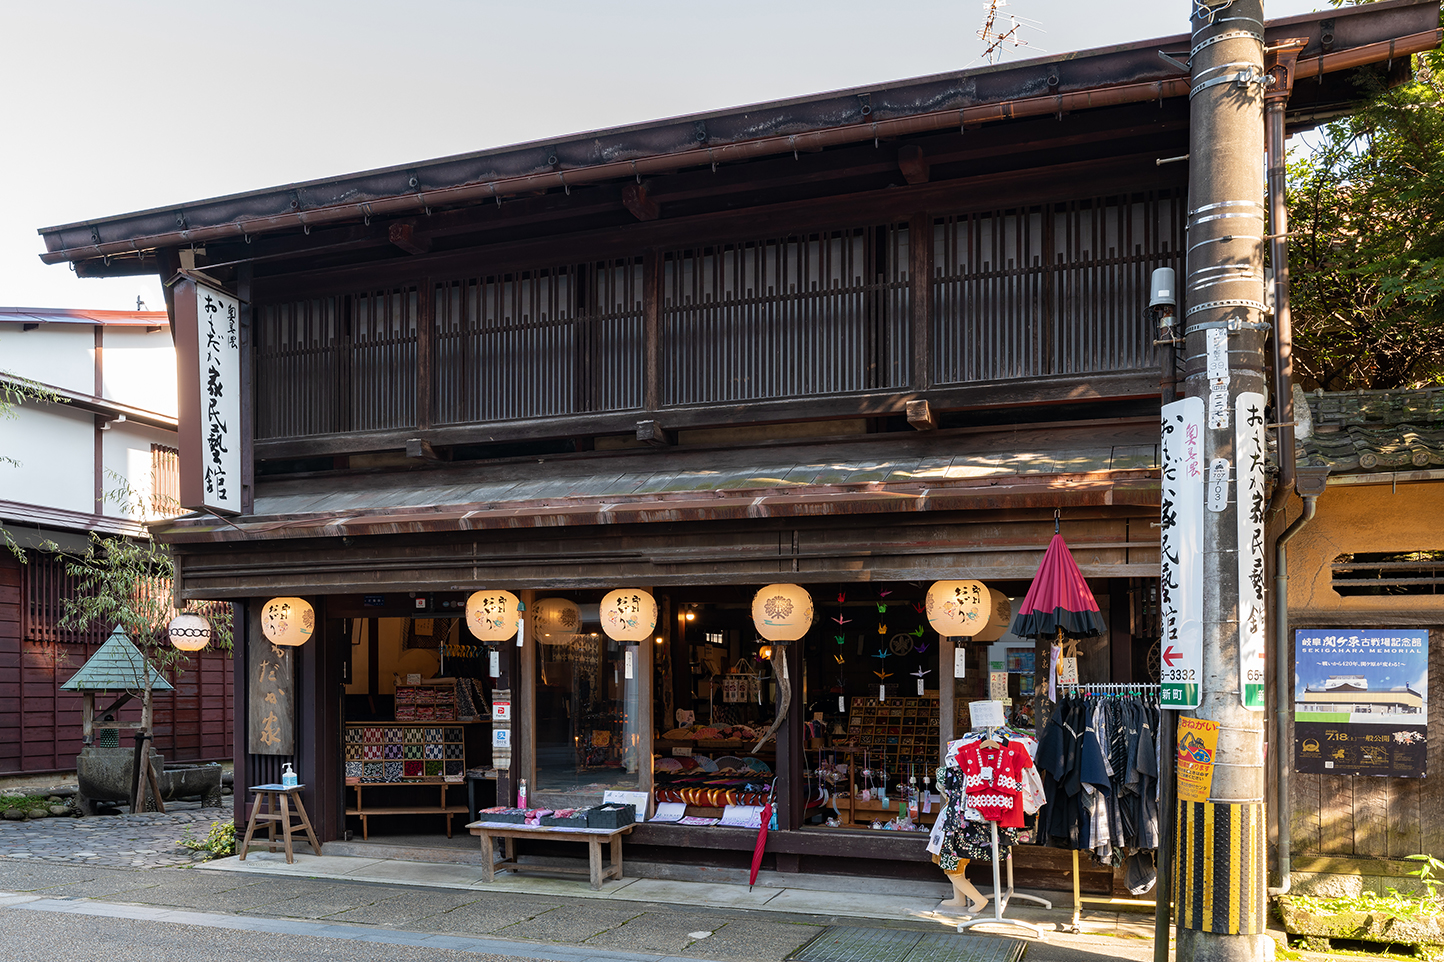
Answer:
[(1180, 555), (271, 724), (493, 615), (959, 609), (1361, 702), (628, 614), (782, 612), (209, 351), (1252, 616)]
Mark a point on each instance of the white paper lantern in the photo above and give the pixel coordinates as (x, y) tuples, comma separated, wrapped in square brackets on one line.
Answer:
[(288, 621), (189, 631), (492, 615), (628, 614), (782, 612), (556, 618), (958, 608), (1000, 615)]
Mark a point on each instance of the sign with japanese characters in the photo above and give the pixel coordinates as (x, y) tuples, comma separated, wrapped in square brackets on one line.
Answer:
[(1197, 743), (1361, 702), (1252, 609), (208, 341), (272, 725), (1181, 555)]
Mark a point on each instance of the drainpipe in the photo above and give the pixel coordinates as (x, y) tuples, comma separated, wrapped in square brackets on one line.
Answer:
[(1279, 65), (1310, 481)]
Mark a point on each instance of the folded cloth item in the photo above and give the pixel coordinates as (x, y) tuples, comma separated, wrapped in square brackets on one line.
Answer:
[(710, 734)]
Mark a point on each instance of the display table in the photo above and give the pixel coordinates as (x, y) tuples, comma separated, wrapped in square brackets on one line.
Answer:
[(594, 837), (282, 804), (365, 810)]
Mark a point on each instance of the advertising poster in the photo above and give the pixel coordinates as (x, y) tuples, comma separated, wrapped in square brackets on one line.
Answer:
[(1361, 701), (1197, 742)]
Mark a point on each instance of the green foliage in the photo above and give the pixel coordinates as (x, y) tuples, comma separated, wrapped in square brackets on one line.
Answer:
[(1366, 252), (1427, 873), (219, 842), (1393, 903), (131, 583)]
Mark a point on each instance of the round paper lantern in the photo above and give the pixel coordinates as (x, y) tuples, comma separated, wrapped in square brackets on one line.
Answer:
[(189, 631), (288, 621), (492, 615), (556, 618), (1000, 615), (629, 614), (958, 608), (782, 612)]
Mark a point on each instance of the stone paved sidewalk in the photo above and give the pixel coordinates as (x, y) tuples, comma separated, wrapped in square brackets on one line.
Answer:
[(148, 840)]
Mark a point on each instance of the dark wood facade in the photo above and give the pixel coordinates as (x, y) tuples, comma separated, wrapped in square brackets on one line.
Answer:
[(875, 335)]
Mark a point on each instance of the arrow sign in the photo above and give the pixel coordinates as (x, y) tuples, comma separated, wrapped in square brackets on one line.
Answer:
[(1170, 656), (1181, 550)]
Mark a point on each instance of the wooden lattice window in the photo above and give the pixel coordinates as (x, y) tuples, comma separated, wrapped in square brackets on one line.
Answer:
[(1389, 573), (164, 481), (46, 585)]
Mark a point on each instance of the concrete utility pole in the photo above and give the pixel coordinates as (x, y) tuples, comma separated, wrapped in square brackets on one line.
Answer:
[(1220, 875)]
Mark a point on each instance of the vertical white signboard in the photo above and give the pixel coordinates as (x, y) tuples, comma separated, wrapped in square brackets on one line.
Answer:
[(1252, 616), (1181, 554), (208, 334)]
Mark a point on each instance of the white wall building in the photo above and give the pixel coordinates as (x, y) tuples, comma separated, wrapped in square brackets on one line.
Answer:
[(114, 428)]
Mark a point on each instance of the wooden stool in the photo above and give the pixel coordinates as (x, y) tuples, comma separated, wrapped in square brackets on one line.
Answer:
[(287, 795)]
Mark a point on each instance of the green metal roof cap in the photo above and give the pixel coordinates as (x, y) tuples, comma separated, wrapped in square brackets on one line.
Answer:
[(117, 666)]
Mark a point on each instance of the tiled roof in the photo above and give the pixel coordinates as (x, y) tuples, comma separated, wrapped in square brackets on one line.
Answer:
[(117, 666), (1361, 431)]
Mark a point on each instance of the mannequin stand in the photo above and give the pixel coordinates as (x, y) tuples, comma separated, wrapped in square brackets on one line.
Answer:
[(1009, 895), (1000, 898)]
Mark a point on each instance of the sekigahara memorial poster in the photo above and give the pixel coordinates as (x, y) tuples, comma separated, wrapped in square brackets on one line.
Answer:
[(1361, 702)]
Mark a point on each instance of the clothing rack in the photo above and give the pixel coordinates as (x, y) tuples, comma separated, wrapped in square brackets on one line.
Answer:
[(1103, 688), (999, 898)]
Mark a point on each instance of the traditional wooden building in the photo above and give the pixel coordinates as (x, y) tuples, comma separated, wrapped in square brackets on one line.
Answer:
[(860, 341), (1372, 558)]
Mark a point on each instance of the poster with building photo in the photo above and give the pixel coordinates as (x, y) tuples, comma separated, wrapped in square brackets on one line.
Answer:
[(1361, 702)]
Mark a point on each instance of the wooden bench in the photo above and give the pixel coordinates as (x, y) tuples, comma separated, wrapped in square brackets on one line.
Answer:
[(594, 837)]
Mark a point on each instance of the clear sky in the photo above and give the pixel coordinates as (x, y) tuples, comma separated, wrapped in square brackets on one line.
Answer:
[(114, 107)]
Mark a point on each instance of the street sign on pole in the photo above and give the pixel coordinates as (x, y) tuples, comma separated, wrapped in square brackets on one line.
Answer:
[(1252, 613), (1181, 555)]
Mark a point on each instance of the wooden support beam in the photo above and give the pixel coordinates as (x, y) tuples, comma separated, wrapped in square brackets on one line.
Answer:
[(420, 449), (653, 433), (403, 235), (920, 416), (914, 166), (641, 206)]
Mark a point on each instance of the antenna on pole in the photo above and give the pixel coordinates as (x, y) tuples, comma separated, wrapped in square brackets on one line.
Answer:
[(1001, 29)]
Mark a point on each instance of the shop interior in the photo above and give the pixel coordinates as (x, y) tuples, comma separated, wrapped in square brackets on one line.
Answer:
[(701, 739)]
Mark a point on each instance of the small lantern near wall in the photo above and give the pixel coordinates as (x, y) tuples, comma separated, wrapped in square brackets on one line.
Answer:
[(288, 621), (782, 612), (492, 615), (629, 614), (556, 619), (189, 631), (1000, 615), (958, 608)]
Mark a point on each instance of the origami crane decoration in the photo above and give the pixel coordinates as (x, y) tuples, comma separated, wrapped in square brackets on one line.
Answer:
[(841, 597), (839, 659), (839, 638), (881, 606), (920, 607), (921, 647), (881, 654), (883, 675), (841, 620), (882, 629), (922, 672), (884, 594), (918, 631)]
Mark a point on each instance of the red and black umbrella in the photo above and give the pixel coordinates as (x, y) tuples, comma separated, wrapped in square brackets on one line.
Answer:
[(1058, 600), (761, 843)]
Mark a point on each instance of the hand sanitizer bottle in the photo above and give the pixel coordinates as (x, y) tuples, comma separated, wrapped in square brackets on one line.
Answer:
[(288, 776)]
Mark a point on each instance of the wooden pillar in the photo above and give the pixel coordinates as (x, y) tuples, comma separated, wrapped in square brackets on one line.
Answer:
[(425, 350), (947, 693), (319, 753), (245, 619), (791, 759), (244, 273)]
